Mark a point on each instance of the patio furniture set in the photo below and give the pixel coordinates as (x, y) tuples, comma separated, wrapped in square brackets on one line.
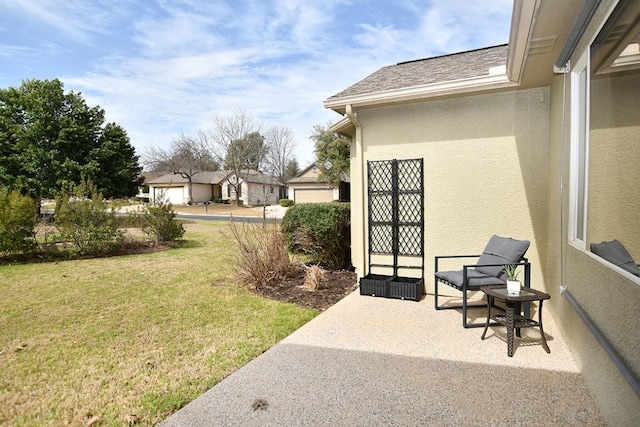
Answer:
[(396, 241), (486, 275), (489, 276)]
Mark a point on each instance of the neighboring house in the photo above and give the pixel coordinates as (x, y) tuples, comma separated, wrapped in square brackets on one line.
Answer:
[(540, 140), (174, 188), (143, 190), (255, 188), (305, 188)]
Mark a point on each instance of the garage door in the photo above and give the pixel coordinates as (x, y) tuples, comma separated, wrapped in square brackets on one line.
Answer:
[(314, 196), (175, 195)]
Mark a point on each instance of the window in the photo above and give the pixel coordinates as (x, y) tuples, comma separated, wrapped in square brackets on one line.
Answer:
[(605, 136), (579, 147)]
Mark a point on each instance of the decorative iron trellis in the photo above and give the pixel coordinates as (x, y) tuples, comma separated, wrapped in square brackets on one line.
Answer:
[(396, 214)]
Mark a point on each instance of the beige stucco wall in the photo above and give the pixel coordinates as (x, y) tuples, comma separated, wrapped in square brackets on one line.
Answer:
[(312, 172), (485, 166), (614, 165), (260, 194), (609, 299), (201, 192)]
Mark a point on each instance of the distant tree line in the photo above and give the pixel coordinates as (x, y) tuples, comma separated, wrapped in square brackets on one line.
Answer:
[(51, 140)]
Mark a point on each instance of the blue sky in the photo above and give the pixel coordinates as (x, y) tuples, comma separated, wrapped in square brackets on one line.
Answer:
[(160, 67)]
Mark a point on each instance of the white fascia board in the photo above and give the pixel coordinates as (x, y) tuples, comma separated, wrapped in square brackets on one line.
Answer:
[(520, 37), (416, 93)]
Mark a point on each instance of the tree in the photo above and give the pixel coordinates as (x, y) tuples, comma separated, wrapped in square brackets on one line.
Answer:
[(116, 171), (239, 145), (291, 170), (49, 139), (246, 153), (332, 154), (281, 145), (188, 156)]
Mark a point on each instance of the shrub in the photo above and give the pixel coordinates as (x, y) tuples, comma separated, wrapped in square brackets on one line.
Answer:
[(313, 278), (17, 222), (160, 222), (285, 203), (84, 220), (321, 230), (261, 256), (47, 237)]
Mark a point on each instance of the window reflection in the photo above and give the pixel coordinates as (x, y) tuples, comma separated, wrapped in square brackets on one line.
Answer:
[(614, 132)]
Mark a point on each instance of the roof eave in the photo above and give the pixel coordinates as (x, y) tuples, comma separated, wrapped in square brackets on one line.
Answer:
[(343, 127), (418, 93), (522, 22)]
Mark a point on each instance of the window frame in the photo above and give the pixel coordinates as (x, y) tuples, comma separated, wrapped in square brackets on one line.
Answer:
[(580, 128), (579, 157)]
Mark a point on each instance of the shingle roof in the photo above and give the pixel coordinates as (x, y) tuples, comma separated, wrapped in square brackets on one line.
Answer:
[(262, 179), (440, 69), (199, 178), (303, 179)]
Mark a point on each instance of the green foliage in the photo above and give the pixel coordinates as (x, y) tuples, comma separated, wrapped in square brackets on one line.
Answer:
[(332, 154), (246, 153), (17, 222), (285, 203), (160, 222), (49, 139), (114, 164), (292, 169), (511, 271), (321, 230), (85, 221)]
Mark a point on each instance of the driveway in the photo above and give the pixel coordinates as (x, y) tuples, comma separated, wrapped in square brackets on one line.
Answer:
[(370, 361)]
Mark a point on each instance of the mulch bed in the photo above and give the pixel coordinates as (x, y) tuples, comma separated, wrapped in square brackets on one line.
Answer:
[(334, 286)]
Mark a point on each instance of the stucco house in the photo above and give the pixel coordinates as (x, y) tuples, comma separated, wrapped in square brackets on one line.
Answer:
[(540, 140), (255, 188), (305, 187), (174, 188)]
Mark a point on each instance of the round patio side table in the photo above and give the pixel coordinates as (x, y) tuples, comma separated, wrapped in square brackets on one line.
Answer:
[(512, 318)]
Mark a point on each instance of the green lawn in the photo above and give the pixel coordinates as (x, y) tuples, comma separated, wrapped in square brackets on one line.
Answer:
[(129, 338)]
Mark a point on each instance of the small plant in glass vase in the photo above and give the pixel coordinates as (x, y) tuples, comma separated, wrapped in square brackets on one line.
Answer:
[(513, 284)]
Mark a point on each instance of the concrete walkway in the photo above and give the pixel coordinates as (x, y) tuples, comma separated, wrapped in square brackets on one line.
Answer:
[(370, 361)]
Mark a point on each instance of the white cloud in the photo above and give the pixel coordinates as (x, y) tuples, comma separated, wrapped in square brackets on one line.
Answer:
[(162, 67), (75, 19)]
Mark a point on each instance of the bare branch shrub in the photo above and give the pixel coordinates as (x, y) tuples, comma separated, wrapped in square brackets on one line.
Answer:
[(262, 257)]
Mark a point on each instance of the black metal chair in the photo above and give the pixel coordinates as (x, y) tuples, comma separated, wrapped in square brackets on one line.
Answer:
[(488, 270)]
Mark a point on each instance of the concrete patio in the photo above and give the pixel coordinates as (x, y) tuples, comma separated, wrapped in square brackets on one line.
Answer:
[(370, 361)]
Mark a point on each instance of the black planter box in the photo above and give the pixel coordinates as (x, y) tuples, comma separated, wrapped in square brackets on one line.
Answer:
[(392, 287), (374, 285), (406, 288)]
